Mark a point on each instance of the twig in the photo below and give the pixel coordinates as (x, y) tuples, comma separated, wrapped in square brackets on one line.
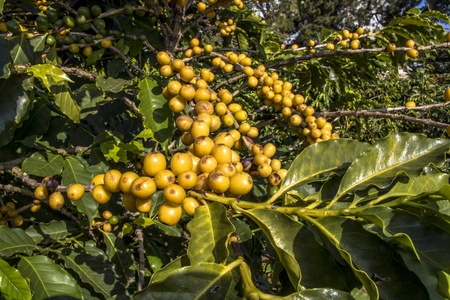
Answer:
[(78, 72), (14, 189), (380, 115), (125, 58), (141, 252), (351, 52), (133, 108)]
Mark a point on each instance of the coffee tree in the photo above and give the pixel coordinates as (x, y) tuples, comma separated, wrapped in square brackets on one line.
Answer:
[(179, 150)]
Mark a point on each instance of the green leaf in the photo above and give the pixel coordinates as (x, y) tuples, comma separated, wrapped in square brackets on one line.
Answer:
[(75, 172), (174, 230), (4, 59), (444, 283), (426, 276), (320, 160), (21, 50), (15, 240), (51, 232), (43, 164), (94, 57), (404, 186), (371, 260), (88, 206), (144, 222), (307, 263), (437, 15), (15, 103), (399, 152), (47, 279), (203, 281), (2, 3), (89, 268), (242, 38), (113, 85), (12, 284), (320, 294), (44, 70), (119, 254), (176, 264), (64, 99), (155, 108), (210, 230), (112, 150), (430, 243)]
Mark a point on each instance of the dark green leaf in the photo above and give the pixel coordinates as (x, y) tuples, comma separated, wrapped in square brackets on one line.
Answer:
[(15, 102), (12, 284), (155, 108), (15, 240), (307, 263), (110, 84), (75, 172), (203, 281), (210, 230), (398, 152), (88, 206), (53, 231), (119, 254), (370, 259), (21, 50), (93, 270), (47, 279), (320, 294), (318, 161), (64, 99), (4, 59), (43, 164)]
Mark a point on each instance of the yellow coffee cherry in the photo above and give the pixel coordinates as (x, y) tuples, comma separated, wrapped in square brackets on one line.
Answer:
[(75, 192), (101, 194), (41, 193), (112, 180), (56, 200)]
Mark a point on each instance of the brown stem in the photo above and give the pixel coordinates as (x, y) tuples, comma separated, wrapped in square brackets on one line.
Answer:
[(14, 189), (125, 58), (351, 52), (142, 258), (380, 115), (133, 108), (79, 73)]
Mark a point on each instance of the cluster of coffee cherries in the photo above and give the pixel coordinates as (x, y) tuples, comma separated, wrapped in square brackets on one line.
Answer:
[(229, 62), (210, 14), (226, 28), (9, 212), (195, 48)]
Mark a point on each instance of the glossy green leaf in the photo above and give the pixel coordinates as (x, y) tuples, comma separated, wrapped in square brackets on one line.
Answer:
[(399, 152), (307, 263), (430, 243), (155, 108), (15, 240), (318, 161), (444, 283), (173, 266), (427, 277), (439, 208), (174, 230), (242, 38), (15, 103), (64, 99), (47, 279), (51, 232), (405, 186), (88, 206), (437, 15), (371, 260), (93, 270), (75, 172), (320, 294), (110, 84), (119, 254), (44, 70), (95, 56), (204, 281), (210, 230), (12, 284), (43, 164), (21, 50), (4, 59)]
